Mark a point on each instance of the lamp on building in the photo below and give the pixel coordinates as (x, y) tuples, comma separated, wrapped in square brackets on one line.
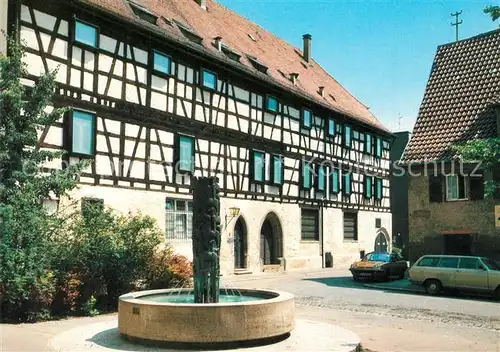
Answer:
[(233, 212)]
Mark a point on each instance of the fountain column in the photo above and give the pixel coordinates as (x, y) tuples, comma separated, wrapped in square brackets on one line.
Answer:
[(206, 239)]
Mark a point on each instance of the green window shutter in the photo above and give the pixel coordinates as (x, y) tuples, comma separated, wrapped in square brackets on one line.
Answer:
[(186, 153), (335, 186), (259, 164)]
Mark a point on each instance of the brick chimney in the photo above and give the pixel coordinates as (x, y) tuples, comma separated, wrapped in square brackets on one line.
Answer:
[(202, 3), (307, 47)]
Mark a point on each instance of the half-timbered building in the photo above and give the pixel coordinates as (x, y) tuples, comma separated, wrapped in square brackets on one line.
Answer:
[(162, 91)]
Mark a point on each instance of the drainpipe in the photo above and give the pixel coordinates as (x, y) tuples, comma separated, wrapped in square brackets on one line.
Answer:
[(322, 242)]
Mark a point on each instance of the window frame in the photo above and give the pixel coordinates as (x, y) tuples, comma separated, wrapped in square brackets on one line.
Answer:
[(303, 116), (69, 134), (82, 44), (271, 97), (465, 185), (187, 236), (177, 159), (317, 225), (202, 80), (346, 127), (355, 236), (302, 175), (252, 166), (282, 170), (161, 73)]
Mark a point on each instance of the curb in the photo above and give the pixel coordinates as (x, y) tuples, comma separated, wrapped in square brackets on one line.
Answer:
[(403, 289)]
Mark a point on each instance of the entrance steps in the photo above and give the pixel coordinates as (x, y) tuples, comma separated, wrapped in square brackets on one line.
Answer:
[(242, 272)]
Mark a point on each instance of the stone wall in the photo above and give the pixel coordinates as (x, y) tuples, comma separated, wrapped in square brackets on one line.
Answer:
[(285, 218), (427, 220)]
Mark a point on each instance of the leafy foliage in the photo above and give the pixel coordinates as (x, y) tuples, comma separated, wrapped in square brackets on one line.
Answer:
[(65, 263), (486, 151), (493, 11)]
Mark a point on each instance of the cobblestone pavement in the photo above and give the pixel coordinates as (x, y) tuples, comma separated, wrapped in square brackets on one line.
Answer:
[(386, 321)]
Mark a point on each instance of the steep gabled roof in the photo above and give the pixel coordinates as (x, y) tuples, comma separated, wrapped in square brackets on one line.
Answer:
[(248, 40), (459, 100)]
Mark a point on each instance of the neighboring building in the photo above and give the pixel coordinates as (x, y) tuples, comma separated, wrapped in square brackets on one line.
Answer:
[(399, 192), (447, 210), (162, 90)]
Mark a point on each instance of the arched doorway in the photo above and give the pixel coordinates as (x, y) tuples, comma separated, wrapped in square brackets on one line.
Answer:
[(240, 244), (381, 242), (271, 240)]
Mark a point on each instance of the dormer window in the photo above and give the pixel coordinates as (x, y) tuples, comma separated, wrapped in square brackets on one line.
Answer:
[(162, 63), (258, 65), (142, 12), (188, 32), (230, 53), (86, 33)]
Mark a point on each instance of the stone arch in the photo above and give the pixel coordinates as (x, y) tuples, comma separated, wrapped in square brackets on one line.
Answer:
[(382, 241), (240, 243), (271, 240)]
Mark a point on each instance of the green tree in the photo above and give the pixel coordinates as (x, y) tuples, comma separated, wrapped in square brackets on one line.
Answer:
[(26, 281), (493, 11), (486, 151)]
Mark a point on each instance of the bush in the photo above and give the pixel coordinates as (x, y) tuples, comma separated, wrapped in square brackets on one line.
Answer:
[(166, 269)]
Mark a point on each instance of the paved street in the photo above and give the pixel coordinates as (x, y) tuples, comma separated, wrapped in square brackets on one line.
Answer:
[(386, 321), (389, 320)]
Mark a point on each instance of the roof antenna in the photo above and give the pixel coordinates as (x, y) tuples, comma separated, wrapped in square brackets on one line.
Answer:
[(457, 22)]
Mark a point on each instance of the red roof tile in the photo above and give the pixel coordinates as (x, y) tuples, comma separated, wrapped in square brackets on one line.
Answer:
[(463, 87), (235, 30)]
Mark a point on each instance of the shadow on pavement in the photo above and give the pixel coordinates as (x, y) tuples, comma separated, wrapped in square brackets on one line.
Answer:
[(396, 286)]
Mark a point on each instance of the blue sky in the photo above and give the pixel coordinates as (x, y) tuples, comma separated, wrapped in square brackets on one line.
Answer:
[(381, 51)]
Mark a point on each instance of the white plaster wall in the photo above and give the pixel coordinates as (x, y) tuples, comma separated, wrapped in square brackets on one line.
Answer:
[(3, 25)]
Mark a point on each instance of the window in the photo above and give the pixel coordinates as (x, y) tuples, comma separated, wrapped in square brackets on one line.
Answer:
[(178, 219), (185, 156), (209, 79), (378, 188), (429, 262), (277, 170), (435, 189), (271, 104), (335, 184), (347, 136), (448, 262), (306, 118), (50, 205), (368, 144), (162, 62), (259, 166), (320, 178), (332, 126), (346, 183), (86, 33), (142, 12), (258, 65), (188, 32), (83, 133), (309, 225), (469, 263), (306, 175), (456, 187), (368, 185), (351, 226), (378, 147)]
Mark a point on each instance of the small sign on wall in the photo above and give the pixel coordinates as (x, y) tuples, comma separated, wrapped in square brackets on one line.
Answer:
[(497, 216)]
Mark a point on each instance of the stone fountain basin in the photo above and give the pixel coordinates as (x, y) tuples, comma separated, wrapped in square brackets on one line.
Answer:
[(272, 316)]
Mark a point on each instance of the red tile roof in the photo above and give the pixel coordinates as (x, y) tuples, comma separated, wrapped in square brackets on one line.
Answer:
[(463, 87), (236, 31)]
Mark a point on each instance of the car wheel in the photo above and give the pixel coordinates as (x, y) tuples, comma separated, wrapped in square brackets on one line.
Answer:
[(496, 293), (433, 287)]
